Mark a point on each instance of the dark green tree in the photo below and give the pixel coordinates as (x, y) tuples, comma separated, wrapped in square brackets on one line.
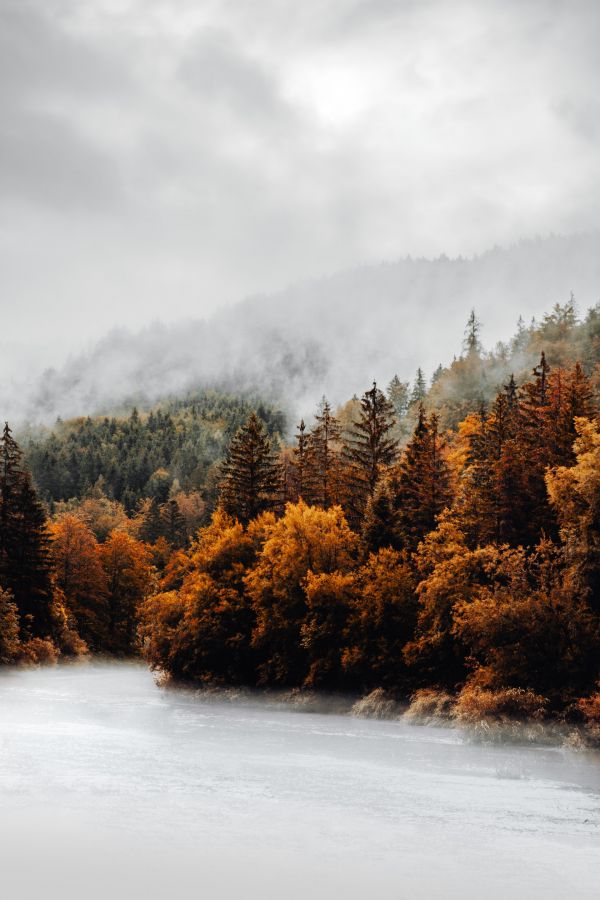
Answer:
[(322, 481), (250, 474), (369, 450), (25, 568), (420, 483)]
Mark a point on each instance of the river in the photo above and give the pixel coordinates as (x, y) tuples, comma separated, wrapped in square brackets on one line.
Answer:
[(111, 787)]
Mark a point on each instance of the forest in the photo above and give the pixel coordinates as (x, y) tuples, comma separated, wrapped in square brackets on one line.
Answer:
[(436, 540)]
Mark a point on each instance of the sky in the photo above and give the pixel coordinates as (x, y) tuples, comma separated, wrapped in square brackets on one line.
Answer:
[(163, 158)]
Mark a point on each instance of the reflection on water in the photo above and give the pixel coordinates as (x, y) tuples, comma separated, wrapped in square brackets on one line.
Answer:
[(111, 787)]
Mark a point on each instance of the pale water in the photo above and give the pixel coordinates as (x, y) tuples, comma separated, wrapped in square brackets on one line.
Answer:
[(111, 787)]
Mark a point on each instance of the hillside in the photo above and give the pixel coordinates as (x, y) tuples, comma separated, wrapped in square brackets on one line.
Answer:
[(332, 335)]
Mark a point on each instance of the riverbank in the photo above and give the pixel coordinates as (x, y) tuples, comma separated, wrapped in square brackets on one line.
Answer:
[(486, 717)]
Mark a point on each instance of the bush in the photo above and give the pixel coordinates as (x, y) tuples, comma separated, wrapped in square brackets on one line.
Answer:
[(475, 704), (590, 707), (429, 706), (38, 652), (376, 705)]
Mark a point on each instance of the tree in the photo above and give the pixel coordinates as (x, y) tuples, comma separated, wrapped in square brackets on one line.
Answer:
[(202, 630), (450, 574), (81, 578), (172, 524), (420, 483), (381, 621), (525, 629), (574, 493), (306, 539), (9, 628), (471, 343), (24, 543), (127, 565), (398, 395), (329, 599), (151, 525), (369, 450), (250, 474), (419, 389), (322, 457), (301, 451)]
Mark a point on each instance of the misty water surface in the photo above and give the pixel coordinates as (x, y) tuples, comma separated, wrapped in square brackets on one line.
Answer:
[(111, 787)]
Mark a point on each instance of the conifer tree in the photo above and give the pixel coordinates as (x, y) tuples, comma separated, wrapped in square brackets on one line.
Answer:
[(173, 524), (419, 388), (369, 450), (250, 473), (323, 459), (420, 483), (24, 542), (380, 521), (152, 523), (398, 395), (471, 343), (301, 451)]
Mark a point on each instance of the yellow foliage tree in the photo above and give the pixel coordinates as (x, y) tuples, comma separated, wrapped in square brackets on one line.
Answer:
[(81, 578), (305, 539)]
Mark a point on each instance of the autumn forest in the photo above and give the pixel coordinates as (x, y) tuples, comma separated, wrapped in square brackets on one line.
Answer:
[(437, 540)]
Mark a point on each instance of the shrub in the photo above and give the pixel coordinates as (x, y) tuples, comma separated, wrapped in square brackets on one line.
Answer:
[(429, 705)]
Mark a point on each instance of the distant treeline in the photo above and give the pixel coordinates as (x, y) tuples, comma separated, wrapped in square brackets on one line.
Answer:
[(416, 539)]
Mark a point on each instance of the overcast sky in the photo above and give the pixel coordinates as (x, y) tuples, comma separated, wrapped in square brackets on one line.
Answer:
[(159, 158)]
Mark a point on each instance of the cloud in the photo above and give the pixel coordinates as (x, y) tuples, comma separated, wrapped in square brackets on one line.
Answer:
[(160, 159)]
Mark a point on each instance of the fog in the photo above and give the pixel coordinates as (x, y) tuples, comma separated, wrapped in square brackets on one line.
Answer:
[(113, 787), (161, 160), (329, 336)]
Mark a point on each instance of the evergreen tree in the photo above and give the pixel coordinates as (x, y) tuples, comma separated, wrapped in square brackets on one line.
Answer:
[(380, 521), (152, 522), (369, 449), (419, 388), (420, 483), (438, 372), (24, 542), (398, 395), (173, 524), (301, 451), (250, 473), (471, 343), (323, 460)]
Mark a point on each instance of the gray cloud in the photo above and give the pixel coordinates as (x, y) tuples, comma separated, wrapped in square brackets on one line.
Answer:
[(162, 159)]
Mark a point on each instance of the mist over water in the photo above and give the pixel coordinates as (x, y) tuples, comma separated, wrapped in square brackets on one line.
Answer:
[(113, 787)]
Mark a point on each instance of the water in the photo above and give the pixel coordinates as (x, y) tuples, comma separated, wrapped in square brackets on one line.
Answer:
[(113, 788)]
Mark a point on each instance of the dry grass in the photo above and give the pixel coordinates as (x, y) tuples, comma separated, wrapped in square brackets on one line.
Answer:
[(376, 705), (430, 706)]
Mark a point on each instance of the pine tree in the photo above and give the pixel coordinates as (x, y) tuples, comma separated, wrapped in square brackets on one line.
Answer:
[(250, 473), (420, 483), (437, 374), (152, 523), (471, 343), (173, 524), (301, 451), (380, 521), (419, 388), (24, 543), (323, 459), (398, 395), (369, 450)]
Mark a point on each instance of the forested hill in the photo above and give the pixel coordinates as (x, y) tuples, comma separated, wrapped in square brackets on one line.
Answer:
[(175, 447), (150, 453), (332, 335)]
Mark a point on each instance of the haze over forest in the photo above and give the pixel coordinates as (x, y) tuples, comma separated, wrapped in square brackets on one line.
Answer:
[(334, 334), (159, 162)]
